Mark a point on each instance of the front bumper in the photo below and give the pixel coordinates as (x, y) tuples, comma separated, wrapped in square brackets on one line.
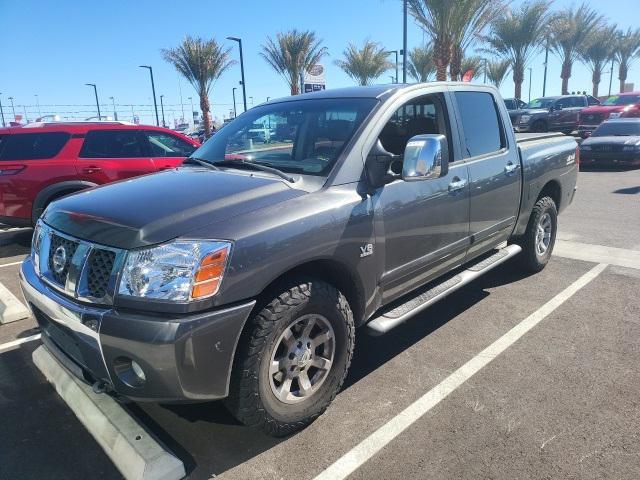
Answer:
[(522, 128), (184, 358), (612, 159)]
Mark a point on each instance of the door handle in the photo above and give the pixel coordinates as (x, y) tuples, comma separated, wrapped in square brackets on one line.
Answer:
[(91, 169), (509, 168), (457, 184)]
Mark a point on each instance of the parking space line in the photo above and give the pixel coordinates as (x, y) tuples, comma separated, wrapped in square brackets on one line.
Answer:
[(621, 257), (9, 345), (371, 445), (11, 264)]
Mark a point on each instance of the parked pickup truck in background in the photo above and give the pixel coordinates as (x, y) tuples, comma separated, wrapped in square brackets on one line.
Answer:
[(244, 273), (624, 105), (551, 114)]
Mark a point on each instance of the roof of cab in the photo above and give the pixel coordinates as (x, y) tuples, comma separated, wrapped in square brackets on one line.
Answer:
[(75, 127)]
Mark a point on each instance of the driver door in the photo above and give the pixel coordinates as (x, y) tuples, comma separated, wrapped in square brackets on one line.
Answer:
[(426, 223)]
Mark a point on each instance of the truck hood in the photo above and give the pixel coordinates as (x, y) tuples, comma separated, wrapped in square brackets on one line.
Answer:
[(612, 140), (532, 111), (159, 207)]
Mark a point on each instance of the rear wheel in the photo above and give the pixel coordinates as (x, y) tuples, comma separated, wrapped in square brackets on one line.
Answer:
[(539, 126), (293, 358), (540, 237)]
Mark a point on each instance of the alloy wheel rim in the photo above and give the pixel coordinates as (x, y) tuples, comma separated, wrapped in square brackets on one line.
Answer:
[(543, 234), (302, 358)]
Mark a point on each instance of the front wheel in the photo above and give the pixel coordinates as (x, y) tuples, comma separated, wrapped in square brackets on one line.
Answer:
[(293, 358), (540, 237)]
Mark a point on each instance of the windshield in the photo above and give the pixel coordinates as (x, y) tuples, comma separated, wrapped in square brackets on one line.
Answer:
[(617, 128), (622, 100), (541, 103), (304, 136)]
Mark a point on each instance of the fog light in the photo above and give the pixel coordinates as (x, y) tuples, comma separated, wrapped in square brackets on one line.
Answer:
[(129, 372)]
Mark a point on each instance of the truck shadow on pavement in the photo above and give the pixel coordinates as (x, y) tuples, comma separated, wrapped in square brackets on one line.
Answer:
[(210, 441)]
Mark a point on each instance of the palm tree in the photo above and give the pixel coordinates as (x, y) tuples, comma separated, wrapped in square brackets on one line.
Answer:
[(473, 63), (570, 30), (496, 71), (598, 51), (434, 16), (627, 49), (292, 53), (201, 62), (365, 64), (469, 20), (516, 35), (421, 66)]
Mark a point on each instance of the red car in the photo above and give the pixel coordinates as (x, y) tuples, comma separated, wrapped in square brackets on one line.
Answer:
[(624, 105), (41, 162)]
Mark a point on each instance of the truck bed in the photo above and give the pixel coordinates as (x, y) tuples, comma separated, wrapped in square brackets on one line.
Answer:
[(531, 137)]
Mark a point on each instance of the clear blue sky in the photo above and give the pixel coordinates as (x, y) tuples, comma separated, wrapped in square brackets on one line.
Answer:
[(52, 48)]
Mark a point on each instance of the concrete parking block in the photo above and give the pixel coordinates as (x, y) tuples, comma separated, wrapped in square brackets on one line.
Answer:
[(132, 449), (11, 309)]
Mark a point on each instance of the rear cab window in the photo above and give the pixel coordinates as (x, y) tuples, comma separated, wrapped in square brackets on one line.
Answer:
[(32, 146), (482, 127), (114, 144)]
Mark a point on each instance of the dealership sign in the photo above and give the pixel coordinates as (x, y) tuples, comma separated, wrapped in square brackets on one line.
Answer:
[(313, 79)]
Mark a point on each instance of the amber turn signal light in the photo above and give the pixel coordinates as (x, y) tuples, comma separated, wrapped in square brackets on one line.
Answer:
[(209, 274)]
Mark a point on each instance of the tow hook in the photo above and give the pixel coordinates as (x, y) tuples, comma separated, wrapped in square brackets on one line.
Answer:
[(100, 387)]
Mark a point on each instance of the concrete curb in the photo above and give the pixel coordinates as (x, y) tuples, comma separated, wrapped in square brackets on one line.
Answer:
[(135, 453), (11, 309)]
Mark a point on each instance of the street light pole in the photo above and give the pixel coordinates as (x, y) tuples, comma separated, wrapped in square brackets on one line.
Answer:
[(13, 108), (244, 90), (192, 117), (153, 89), (530, 73), (162, 109), (396, 54), (404, 42), (611, 75), (546, 62), (115, 114), (235, 114), (38, 105), (95, 91), (2, 113)]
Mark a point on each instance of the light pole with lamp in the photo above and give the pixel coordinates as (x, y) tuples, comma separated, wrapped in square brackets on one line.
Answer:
[(153, 90), (233, 91), (95, 91), (162, 110), (38, 105), (396, 54), (115, 114), (244, 90)]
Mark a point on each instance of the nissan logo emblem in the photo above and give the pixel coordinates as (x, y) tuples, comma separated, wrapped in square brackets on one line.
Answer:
[(59, 259)]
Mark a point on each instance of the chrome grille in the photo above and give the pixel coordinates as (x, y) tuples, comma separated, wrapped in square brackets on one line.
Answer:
[(83, 270), (100, 267), (60, 270), (591, 118)]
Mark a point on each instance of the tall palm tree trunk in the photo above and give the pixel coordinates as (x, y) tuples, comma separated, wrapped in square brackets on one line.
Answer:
[(622, 76), (456, 63), (565, 74), (205, 107), (518, 78), (595, 78), (441, 57)]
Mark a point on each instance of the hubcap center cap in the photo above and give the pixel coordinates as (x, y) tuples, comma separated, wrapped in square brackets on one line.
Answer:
[(303, 358)]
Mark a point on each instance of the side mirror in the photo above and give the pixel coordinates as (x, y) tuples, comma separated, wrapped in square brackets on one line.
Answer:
[(379, 166), (425, 157)]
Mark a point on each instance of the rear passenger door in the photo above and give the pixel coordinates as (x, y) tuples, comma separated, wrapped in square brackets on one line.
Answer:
[(114, 154), (167, 150), (493, 165)]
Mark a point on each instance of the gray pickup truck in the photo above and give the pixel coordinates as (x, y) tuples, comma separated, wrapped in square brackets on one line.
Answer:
[(246, 273)]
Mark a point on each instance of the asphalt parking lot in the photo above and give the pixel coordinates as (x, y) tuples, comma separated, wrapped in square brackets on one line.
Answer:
[(559, 399)]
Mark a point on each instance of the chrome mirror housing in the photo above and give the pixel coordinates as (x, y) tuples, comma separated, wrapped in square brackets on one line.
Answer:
[(425, 157)]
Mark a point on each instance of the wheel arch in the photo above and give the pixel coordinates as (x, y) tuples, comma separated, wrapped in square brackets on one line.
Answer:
[(552, 189), (54, 191)]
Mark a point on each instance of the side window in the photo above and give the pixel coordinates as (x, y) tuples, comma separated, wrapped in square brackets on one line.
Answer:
[(423, 115), (592, 100), (577, 102), (113, 144), (32, 146), (562, 103), (167, 145), (481, 124)]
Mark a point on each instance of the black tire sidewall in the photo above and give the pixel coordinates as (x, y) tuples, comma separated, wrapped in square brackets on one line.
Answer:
[(317, 403), (534, 261)]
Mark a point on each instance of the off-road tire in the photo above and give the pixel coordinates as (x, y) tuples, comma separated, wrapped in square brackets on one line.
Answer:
[(529, 259), (251, 399)]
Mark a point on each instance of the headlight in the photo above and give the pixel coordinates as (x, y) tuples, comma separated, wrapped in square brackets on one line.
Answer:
[(525, 118), (630, 148), (36, 241), (179, 271)]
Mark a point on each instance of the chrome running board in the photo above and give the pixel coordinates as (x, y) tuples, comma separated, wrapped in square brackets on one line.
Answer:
[(390, 318)]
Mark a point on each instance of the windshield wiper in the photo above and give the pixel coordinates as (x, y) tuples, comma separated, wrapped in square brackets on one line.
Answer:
[(257, 166), (202, 162)]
